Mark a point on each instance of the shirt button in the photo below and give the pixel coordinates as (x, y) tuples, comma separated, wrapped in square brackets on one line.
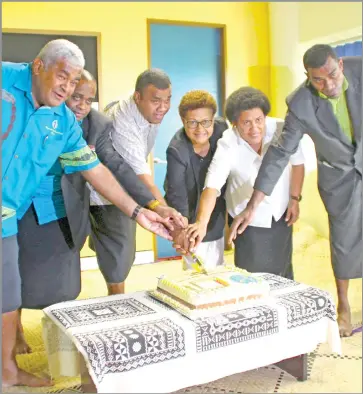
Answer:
[(16, 156), (25, 135), (6, 178)]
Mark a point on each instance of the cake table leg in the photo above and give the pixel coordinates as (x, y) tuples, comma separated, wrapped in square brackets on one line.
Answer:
[(296, 366), (88, 385)]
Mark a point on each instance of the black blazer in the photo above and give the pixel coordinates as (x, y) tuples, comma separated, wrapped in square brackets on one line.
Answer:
[(182, 185), (96, 131)]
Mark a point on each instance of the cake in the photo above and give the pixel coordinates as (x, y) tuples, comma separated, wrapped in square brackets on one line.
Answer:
[(199, 295)]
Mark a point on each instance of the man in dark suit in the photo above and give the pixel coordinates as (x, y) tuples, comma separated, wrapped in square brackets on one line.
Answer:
[(49, 254), (327, 107)]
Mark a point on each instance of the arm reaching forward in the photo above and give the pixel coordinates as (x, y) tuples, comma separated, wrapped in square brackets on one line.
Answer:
[(105, 183)]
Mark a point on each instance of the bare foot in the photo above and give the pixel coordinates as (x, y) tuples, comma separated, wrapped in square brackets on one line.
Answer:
[(21, 346), (22, 378), (344, 323)]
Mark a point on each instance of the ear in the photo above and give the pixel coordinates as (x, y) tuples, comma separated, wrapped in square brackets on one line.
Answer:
[(38, 66), (341, 64), (137, 97)]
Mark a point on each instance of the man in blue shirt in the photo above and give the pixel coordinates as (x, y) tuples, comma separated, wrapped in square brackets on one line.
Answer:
[(53, 229), (37, 128)]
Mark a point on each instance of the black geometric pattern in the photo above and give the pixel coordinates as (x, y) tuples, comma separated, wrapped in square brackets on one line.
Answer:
[(307, 306), (134, 346), (278, 282), (234, 327), (104, 311)]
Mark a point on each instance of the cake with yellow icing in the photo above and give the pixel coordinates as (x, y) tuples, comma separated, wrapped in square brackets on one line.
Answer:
[(200, 295)]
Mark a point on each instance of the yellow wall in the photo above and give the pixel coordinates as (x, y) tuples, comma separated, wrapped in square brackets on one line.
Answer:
[(296, 26), (259, 74), (123, 29), (327, 18)]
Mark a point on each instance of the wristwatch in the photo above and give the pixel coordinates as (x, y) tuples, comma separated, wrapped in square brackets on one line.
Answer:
[(136, 212), (297, 198)]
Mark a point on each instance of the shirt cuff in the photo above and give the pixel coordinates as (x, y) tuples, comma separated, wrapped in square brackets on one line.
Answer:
[(297, 161), (80, 160), (210, 185), (143, 170)]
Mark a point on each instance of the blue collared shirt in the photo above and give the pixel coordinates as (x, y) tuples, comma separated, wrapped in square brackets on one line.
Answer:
[(33, 139), (48, 200)]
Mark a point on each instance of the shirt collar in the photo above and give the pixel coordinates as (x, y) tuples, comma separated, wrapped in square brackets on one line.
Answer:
[(24, 79), (24, 83)]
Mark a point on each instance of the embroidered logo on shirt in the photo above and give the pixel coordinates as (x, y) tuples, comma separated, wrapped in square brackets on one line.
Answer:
[(55, 124), (52, 131)]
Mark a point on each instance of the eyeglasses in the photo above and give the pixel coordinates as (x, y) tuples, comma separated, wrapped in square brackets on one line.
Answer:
[(193, 124)]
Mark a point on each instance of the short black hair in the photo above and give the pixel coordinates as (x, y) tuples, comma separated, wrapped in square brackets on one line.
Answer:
[(153, 76), (317, 56), (244, 99)]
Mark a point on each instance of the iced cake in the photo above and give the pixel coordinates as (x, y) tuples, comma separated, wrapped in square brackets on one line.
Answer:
[(201, 295)]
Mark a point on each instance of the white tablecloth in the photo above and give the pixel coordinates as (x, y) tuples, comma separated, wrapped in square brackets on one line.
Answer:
[(134, 344)]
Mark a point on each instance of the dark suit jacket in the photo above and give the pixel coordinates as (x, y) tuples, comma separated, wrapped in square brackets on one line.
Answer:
[(182, 184), (96, 131), (338, 159)]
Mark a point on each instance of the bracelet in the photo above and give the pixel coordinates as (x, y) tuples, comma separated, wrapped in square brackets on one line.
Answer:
[(136, 212), (153, 204), (297, 198)]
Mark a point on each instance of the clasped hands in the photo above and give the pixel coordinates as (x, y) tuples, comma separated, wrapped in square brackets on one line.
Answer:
[(187, 239)]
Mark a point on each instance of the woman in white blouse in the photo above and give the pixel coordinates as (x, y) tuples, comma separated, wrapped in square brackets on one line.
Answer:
[(266, 245)]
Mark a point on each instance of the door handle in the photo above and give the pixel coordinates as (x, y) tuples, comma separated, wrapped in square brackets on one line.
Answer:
[(157, 160)]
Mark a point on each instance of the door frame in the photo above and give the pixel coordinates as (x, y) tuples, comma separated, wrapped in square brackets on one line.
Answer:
[(70, 33), (223, 47)]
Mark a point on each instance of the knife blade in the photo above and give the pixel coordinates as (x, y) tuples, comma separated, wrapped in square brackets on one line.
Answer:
[(197, 264)]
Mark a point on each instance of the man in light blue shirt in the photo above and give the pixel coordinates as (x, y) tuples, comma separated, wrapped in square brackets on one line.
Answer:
[(37, 128)]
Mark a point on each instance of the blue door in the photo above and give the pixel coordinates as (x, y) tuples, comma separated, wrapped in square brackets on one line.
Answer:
[(191, 56)]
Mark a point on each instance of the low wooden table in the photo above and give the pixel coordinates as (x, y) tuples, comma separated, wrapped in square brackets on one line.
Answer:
[(134, 344)]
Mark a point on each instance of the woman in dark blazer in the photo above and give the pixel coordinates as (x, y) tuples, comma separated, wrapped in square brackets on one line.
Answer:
[(188, 157)]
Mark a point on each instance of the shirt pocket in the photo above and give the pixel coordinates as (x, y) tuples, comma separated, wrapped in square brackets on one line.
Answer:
[(50, 146), (45, 138)]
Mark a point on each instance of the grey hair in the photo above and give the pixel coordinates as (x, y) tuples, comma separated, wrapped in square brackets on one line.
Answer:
[(244, 99), (61, 49), (153, 76)]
